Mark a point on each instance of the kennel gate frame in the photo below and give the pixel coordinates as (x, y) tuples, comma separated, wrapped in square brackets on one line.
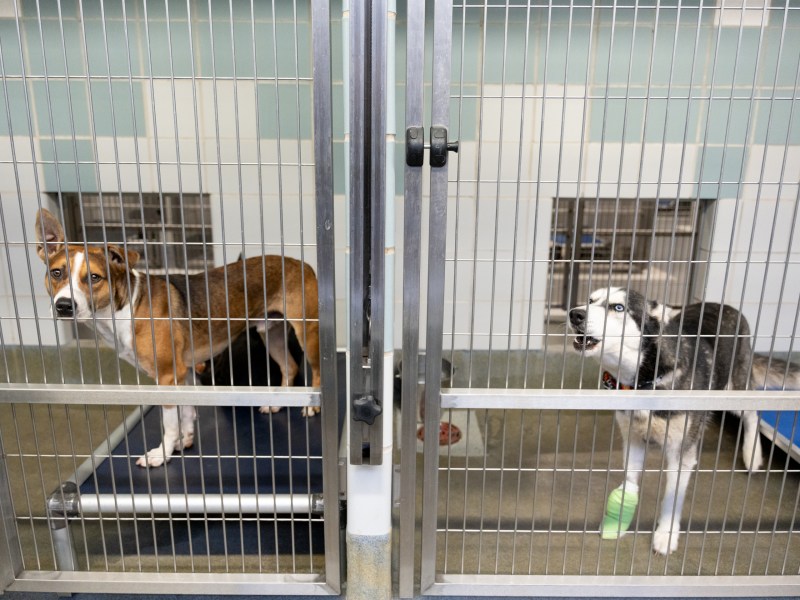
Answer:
[(435, 399), (12, 575)]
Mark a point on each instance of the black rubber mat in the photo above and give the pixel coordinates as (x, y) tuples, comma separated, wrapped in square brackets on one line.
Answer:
[(237, 450)]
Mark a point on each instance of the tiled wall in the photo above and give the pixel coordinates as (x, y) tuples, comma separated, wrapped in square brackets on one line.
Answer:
[(154, 96), (552, 100), (621, 100)]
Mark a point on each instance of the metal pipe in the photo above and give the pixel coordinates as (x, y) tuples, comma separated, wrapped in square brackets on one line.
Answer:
[(99, 504)]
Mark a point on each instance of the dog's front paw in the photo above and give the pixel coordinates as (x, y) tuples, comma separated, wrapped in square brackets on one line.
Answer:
[(269, 409), (310, 411), (153, 458), (665, 542)]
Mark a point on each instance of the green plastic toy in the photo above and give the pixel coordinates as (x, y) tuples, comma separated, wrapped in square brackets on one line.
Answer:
[(620, 509)]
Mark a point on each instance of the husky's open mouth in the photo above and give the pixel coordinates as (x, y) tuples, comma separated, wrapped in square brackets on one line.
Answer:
[(584, 342)]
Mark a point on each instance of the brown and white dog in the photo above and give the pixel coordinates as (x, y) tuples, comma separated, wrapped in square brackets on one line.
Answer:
[(166, 327)]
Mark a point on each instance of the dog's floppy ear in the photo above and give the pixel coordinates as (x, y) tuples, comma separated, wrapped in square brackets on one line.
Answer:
[(121, 256), (49, 234)]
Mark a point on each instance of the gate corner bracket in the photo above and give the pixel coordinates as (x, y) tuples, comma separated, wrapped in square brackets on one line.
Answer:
[(63, 504)]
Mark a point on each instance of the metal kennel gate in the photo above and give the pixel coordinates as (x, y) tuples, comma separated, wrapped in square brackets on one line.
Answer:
[(652, 146), (624, 107), (193, 135)]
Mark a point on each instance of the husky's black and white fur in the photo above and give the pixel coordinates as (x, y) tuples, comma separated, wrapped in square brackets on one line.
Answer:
[(642, 344)]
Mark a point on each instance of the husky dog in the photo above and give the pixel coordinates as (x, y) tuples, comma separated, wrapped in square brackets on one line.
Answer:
[(642, 344)]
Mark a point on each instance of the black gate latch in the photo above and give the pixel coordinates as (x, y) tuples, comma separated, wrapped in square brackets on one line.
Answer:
[(366, 409), (440, 146), (415, 146)]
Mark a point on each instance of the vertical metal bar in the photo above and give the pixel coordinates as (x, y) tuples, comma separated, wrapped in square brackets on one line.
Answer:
[(412, 243), (476, 222), (454, 304), (26, 478), (551, 258), (11, 135), (166, 240), (55, 152), (437, 226), (280, 164), (218, 141), (101, 208), (326, 271), (170, 308), (10, 549), (304, 314), (265, 366), (201, 196), (244, 273), (494, 303)]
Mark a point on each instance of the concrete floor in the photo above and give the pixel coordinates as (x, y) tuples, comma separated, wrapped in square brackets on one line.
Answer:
[(525, 498), (528, 497)]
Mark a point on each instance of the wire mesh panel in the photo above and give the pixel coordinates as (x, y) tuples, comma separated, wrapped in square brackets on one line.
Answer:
[(158, 217), (624, 171)]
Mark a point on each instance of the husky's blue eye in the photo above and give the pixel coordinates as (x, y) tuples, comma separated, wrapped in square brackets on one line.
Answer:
[(619, 307)]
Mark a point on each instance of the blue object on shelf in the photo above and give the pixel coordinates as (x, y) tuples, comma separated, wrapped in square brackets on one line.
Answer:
[(783, 427)]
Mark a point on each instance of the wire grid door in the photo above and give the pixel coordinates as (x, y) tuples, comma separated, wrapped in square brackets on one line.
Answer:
[(647, 147), (165, 140)]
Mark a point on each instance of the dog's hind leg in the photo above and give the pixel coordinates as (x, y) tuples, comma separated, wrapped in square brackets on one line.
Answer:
[(307, 333), (680, 464), (276, 343)]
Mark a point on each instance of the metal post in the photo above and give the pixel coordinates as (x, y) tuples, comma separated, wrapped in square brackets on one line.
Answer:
[(326, 267), (369, 473), (412, 212), (367, 226), (440, 117)]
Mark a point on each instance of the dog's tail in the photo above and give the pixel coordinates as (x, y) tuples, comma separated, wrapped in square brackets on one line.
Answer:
[(774, 374)]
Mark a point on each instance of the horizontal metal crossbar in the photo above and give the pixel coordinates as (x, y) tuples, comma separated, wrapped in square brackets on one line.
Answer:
[(290, 584), (54, 393), (611, 586), (471, 398)]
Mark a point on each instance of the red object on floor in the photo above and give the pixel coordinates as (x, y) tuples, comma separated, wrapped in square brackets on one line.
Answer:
[(448, 433)]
